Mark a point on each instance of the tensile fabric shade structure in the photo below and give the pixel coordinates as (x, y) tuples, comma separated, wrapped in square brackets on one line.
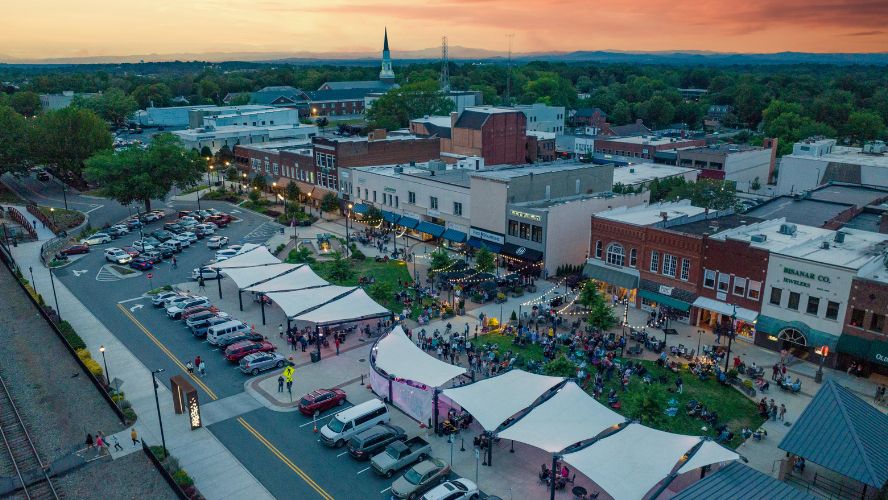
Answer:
[(709, 453), (568, 417), (493, 400), (295, 302), (398, 356), (353, 306), (303, 277), (256, 256), (246, 276)]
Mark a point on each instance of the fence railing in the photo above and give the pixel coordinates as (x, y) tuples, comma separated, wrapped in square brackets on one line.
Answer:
[(23, 221), (163, 472)]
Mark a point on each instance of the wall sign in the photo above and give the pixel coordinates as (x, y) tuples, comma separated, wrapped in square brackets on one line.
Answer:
[(484, 235), (525, 215), (803, 274), (666, 290)]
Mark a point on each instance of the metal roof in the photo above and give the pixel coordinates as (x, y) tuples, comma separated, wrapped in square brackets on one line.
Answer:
[(843, 433), (736, 480)]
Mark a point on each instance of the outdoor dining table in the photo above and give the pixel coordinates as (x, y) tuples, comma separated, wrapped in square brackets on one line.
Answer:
[(579, 492)]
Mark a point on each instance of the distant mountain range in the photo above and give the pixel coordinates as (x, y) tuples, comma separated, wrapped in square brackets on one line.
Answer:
[(458, 53)]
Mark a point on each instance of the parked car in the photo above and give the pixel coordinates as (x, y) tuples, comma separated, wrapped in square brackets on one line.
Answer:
[(96, 239), (142, 245), (117, 256), (160, 299), (398, 455), (217, 241), (183, 240), (182, 297), (191, 311), (420, 478), (42, 176), (199, 329), (206, 272), (320, 400), (238, 350), (75, 250), (374, 440), (133, 251), (225, 254), (217, 220), (133, 224), (233, 338), (188, 223), (261, 361), (154, 256), (192, 237), (173, 227), (198, 233), (202, 316), (142, 263), (116, 232), (456, 489), (121, 227), (151, 217), (175, 311), (206, 228), (161, 235), (170, 245)]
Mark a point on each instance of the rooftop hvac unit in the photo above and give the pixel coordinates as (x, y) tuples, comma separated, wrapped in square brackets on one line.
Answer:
[(840, 237), (759, 238), (789, 229), (824, 245), (399, 169)]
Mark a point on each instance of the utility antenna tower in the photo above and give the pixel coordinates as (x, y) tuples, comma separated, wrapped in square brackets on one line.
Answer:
[(508, 97), (445, 66)]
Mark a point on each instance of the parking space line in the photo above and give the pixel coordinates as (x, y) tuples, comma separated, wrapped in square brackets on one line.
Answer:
[(343, 453), (283, 458), (131, 300), (331, 415), (363, 470), (166, 351), (383, 491)]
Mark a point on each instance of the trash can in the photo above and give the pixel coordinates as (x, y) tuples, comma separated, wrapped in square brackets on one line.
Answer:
[(315, 356)]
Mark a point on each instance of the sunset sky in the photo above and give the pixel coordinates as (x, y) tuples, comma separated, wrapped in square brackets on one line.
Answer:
[(55, 28)]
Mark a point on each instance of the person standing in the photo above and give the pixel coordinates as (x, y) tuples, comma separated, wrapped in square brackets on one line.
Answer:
[(280, 383), (197, 363), (89, 441), (281, 330), (201, 284), (679, 385), (173, 262), (336, 342), (782, 414), (134, 436), (203, 368)]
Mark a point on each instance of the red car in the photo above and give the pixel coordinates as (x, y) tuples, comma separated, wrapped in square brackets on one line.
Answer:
[(219, 220), (236, 351), (319, 400), (75, 250), (191, 311), (132, 251)]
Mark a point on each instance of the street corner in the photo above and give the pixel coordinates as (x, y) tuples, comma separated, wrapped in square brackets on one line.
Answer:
[(265, 389)]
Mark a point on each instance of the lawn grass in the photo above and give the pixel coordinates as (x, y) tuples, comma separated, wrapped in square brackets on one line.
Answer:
[(734, 408), (7, 196), (63, 219), (386, 276)]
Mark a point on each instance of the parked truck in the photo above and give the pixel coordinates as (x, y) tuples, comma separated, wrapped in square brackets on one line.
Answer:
[(400, 454)]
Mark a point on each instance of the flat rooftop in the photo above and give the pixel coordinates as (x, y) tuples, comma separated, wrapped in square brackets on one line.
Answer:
[(541, 135), (357, 138), (438, 121), (857, 195), (715, 225), (641, 173), (843, 154), (282, 145), (799, 211), (865, 221), (649, 140), (544, 205), (491, 109), (454, 176), (722, 148), (511, 172), (648, 215), (874, 271)]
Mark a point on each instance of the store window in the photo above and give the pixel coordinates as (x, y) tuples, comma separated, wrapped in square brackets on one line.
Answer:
[(655, 261), (832, 310), (857, 316), (724, 280), (433, 202), (669, 263), (524, 231), (813, 305), (776, 296), (754, 290), (513, 228), (411, 197), (877, 322), (598, 249), (708, 278), (633, 257), (740, 286), (685, 269), (536, 234), (457, 208), (794, 299), (616, 255)]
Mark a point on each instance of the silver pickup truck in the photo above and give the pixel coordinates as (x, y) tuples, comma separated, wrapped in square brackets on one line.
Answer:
[(400, 454)]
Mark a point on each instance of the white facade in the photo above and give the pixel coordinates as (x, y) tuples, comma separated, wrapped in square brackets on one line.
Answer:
[(216, 137), (809, 169), (269, 117), (543, 118)]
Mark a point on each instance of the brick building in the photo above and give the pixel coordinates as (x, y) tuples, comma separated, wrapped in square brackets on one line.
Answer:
[(540, 147), (278, 162), (640, 147), (864, 337), (589, 117)]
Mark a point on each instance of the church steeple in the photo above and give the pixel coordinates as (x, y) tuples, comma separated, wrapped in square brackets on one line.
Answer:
[(386, 74)]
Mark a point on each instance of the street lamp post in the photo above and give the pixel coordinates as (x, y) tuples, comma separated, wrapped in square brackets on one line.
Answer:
[(347, 217), (309, 204), (54, 296), (824, 352), (105, 362), (157, 402), (731, 333), (33, 285), (699, 339), (209, 174), (240, 187)]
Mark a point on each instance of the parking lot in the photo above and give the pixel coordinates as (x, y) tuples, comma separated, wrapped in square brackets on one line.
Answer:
[(273, 441)]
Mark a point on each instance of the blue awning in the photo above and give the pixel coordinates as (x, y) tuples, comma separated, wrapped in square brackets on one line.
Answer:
[(408, 222), (430, 228), (360, 208), (390, 217), (455, 236), (479, 243)]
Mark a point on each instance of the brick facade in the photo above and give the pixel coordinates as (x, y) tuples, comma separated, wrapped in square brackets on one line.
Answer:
[(638, 150), (735, 259), (291, 165), (539, 150), (868, 300)]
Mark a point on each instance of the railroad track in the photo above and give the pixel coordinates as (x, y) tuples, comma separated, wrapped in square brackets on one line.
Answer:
[(21, 454)]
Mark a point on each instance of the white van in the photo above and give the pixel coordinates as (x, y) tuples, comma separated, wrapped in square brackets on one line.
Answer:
[(216, 333), (352, 421)]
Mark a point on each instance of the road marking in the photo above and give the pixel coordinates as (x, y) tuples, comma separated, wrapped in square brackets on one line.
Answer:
[(131, 300), (283, 458), (166, 351), (136, 307), (94, 209), (383, 491), (78, 273), (343, 453), (363, 470), (331, 415)]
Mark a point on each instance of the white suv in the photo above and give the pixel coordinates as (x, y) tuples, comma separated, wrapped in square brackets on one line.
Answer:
[(117, 256)]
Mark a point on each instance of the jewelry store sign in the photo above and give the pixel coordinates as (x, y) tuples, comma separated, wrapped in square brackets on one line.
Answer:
[(803, 278), (525, 215)]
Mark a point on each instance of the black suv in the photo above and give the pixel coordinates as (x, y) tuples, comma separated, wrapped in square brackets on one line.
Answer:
[(374, 440), (248, 335), (162, 235)]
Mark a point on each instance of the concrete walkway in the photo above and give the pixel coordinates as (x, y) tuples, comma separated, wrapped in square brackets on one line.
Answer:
[(216, 471)]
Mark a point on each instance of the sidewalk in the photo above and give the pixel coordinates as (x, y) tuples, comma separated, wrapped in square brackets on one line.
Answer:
[(216, 472)]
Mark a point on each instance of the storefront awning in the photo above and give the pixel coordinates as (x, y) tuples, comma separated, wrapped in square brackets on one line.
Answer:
[(746, 315), (360, 208), (523, 253), (479, 243), (390, 216), (623, 277), (408, 222), (430, 229), (812, 337), (665, 300), (871, 350), (455, 236)]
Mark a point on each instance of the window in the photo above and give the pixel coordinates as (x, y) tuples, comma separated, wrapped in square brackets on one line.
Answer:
[(598, 249), (794, 298), (754, 290), (723, 281), (396, 201), (524, 231), (708, 278), (813, 305), (776, 296), (374, 196), (633, 257), (457, 208), (685, 269), (411, 197), (669, 263), (832, 310), (513, 228), (857, 316), (739, 286), (877, 322), (275, 167), (616, 255), (536, 234), (655, 261), (433, 202)]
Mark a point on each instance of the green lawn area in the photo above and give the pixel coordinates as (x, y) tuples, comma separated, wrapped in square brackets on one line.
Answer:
[(7, 196), (63, 219), (385, 273), (734, 408)]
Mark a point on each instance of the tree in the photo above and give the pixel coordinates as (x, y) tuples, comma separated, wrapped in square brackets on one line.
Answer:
[(602, 317), (329, 203), (224, 155), (340, 269), (260, 182), (292, 192), (484, 260), (301, 255), (157, 95), (621, 114), (373, 215), (650, 407), (398, 106), (25, 103), (232, 174), (15, 131), (561, 367), (137, 174), (864, 126), (551, 89), (206, 153), (589, 295), (113, 105), (440, 259), (67, 137)]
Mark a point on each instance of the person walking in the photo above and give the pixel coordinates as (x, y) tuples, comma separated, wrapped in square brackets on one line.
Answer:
[(189, 366), (197, 363), (116, 444), (775, 372), (134, 436), (201, 284), (782, 413), (203, 368), (281, 330), (173, 262), (336, 341), (89, 441), (100, 444)]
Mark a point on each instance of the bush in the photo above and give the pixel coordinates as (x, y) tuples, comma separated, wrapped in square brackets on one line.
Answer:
[(280, 248), (158, 452), (91, 364), (71, 336), (357, 254), (182, 478), (171, 464), (130, 415), (124, 404)]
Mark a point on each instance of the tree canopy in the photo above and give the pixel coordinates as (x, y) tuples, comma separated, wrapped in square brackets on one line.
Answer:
[(14, 141), (67, 137), (398, 106)]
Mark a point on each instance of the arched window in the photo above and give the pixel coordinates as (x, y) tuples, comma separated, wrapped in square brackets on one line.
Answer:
[(793, 335), (616, 255)]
